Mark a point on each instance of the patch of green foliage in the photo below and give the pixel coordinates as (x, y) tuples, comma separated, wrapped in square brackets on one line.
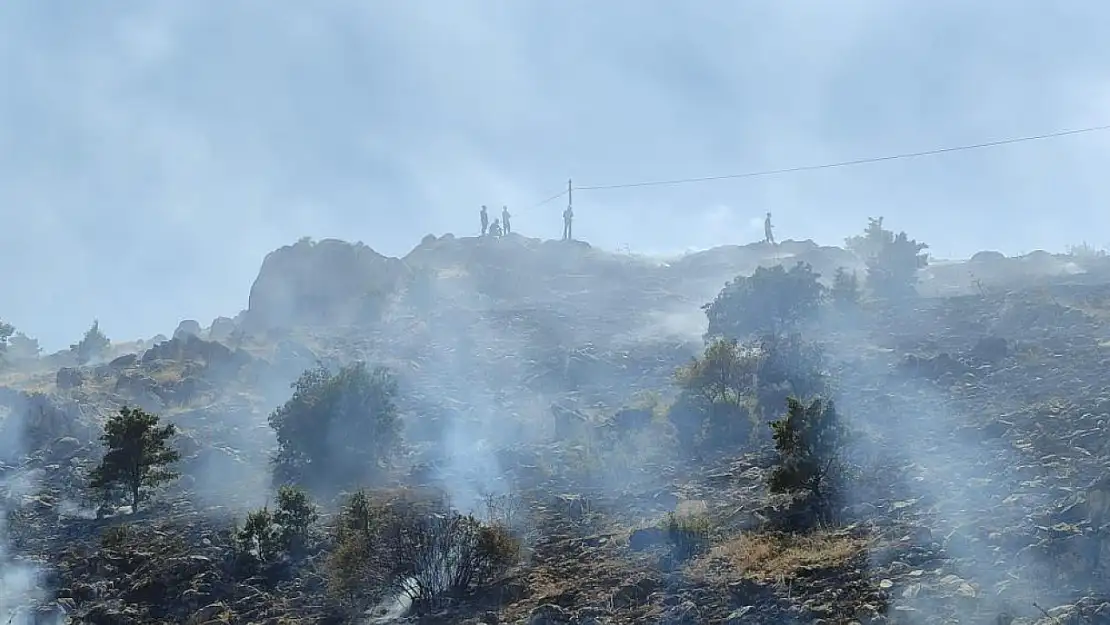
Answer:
[(770, 301), (267, 536), (717, 392), (789, 365), (810, 440), (845, 292), (138, 455), (338, 428), (724, 392), (893, 260), (413, 545)]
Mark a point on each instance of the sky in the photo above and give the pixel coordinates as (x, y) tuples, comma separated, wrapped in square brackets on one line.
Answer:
[(152, 153)]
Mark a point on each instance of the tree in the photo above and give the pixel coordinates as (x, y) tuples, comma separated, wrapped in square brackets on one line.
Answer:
[(771, 300), (337, 427), (138, 454), (93, 345), (892, 259), (871, 242), (809, 440), (6, 330), (845, 289)]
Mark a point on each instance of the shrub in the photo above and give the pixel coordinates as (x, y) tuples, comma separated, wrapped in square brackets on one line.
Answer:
[(442, 555), (337, 428), (416, 547), (688, 534), (269, 536), (809, 440), (892, 259), (716, 393), (771, 300), (789, 366)]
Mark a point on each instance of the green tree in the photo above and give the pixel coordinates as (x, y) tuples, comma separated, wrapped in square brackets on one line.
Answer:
[(6, 330), (845, 289), (770, 301), (893, 260), (138, 454), (337, 428), (94, 344), (809, 440), (871, 242), (259, 540)]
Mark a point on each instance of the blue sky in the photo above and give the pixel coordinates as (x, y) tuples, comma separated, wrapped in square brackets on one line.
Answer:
[(153, 152)]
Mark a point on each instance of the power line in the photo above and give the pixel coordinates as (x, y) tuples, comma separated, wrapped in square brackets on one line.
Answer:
[(550, 199), (861, 161)]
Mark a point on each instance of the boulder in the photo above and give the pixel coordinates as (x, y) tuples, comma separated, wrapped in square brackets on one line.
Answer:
[(322, 283), (188, 327), (69, 377)]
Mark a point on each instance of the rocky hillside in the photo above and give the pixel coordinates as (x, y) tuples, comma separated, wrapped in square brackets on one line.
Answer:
[(543, 371)]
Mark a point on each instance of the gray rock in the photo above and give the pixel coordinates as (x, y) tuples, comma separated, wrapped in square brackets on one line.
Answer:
[(550, 614)]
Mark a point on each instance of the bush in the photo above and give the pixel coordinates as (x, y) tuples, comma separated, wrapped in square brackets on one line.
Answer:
[(771, 300), (415, 546), (688, 534), (267, 537), (717, 389), (789, 366), (809, 440), (892, 259), (337, 428)]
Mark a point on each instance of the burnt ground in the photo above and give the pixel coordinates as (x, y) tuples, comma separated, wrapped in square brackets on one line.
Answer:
[(981, 422)]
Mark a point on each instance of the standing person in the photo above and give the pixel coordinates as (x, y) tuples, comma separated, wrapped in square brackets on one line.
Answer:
[(568, 219), (505, 226), (485, 220), (768, 235)]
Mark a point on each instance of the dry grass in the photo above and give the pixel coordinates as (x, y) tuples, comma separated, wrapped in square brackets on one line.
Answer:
[(778, 557)]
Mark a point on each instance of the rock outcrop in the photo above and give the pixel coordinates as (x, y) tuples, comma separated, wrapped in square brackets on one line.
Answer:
[(329, 282)]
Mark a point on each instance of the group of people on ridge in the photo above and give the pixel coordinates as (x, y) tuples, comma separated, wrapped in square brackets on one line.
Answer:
[(503, 226), (499, 227)]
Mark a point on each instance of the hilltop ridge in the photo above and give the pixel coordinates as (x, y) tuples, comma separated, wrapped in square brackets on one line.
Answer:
[(546, 370)]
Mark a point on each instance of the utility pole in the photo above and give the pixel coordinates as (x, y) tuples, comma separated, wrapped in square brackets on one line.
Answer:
[(570, 194)]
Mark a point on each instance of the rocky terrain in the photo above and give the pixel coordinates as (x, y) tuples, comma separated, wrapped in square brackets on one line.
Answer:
[(541, 371)]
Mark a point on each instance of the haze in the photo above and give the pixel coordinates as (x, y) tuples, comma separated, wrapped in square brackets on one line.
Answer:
[(154, 152)]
